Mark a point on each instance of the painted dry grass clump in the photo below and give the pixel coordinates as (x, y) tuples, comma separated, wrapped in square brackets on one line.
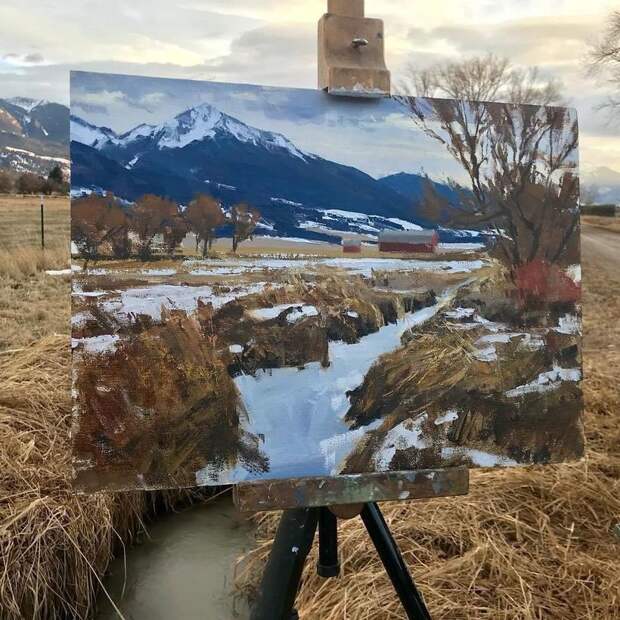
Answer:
[(525, 544)]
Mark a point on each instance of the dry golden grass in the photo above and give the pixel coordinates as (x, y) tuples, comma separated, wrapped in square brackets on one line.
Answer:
[(54, 545), (20, 222), (32, 303), (525, 544), (607, 223)]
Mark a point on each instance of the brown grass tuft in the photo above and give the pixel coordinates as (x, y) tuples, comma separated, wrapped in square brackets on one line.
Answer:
[(27, 262)]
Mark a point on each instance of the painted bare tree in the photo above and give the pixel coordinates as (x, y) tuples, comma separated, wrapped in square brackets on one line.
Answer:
[(244, 220), (519, 160), (204, 215), (96, 221), (149, 217)]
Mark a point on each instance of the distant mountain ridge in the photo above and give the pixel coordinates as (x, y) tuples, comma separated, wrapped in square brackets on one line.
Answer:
[(205, 150), (603, 184), (34, 135), (413, 186)]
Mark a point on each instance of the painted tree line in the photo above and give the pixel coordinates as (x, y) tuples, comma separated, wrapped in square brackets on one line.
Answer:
[(104, 225)]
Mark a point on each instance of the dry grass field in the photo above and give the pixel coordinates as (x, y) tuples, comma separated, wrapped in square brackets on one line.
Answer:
[(32, 303), (606, 223), (526, 544), (20, 225)]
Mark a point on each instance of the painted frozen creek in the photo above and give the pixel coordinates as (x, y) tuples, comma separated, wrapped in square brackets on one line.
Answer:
[(300, 413)]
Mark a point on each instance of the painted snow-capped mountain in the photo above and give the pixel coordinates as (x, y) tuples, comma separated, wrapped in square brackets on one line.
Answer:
[(203, 122), (88, 134), (205, 150)]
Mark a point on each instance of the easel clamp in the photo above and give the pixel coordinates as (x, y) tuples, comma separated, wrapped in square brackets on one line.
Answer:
[(351, 55)]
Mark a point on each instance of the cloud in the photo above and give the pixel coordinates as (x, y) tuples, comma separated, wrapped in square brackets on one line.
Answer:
[(23, 60), (277, 54), (552, 40), (34, 59)]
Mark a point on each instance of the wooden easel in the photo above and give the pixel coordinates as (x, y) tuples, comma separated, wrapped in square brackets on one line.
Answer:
[(351, 63)]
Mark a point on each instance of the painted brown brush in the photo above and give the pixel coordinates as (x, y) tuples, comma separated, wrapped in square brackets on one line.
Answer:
[(162, 406)]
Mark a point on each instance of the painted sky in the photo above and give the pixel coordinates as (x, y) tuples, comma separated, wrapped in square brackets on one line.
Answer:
[(274, 42), (376, 136)]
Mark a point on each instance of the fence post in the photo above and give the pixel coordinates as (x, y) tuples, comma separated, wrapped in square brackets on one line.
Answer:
[(42, 225)]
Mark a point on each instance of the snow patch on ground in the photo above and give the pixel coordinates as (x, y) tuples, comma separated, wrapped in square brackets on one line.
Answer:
[(284, 201), (301, 313), (158, 272), (569, 324), (478, 457), (365, 266), (357, 266), (407, 434), (448, 416), (488, 354), (80, 318), (574, 273), (546, 381), (460, 247), (96, 344), (404, 224), (149, 300), (461, 313), (266, 314)]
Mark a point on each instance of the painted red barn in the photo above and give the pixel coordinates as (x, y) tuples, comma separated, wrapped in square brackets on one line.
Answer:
[(351, 246), (408, 241)]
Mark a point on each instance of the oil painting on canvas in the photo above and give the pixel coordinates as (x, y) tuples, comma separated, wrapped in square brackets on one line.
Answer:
[(275, 283)]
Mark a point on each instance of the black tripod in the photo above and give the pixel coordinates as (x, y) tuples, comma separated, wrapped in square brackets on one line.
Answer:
[(292, 544)]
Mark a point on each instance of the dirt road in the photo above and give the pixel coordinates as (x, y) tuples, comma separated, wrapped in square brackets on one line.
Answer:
[(601, 249)]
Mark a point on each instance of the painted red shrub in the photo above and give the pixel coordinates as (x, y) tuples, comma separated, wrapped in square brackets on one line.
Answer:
[(545, 281)]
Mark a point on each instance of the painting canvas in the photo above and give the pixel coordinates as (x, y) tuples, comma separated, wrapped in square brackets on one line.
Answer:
[(275, 283)]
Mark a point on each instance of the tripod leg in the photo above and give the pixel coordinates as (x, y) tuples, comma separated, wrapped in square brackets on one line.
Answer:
[(394, 564), (328, 565), (282, 574)]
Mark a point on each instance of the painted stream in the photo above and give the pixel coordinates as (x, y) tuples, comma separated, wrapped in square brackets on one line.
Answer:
[(300, 413)]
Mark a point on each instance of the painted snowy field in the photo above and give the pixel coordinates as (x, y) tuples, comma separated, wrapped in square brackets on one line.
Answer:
[(265, 365)]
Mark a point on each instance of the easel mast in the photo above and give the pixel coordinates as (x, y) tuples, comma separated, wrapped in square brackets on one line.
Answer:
[(351, 63)]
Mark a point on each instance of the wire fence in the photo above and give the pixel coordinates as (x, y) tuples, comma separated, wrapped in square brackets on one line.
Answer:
[(31, 222)]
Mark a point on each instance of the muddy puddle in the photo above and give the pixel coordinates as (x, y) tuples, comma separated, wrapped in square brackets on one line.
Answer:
[(184, 570)]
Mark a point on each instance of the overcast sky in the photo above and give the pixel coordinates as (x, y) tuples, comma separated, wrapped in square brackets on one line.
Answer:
[(273, 42)]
